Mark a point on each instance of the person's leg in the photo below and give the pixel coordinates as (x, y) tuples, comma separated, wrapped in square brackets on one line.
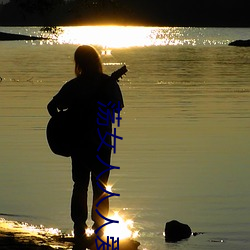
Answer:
[(98, 194), (79, 207)]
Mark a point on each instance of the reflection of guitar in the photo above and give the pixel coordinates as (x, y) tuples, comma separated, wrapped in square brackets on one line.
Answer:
[(60, 127)]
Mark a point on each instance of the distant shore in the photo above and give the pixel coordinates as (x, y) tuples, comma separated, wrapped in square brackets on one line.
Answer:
[(15, 37)]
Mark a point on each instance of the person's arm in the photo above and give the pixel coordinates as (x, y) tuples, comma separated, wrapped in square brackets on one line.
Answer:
[(61, 100), (115, 94)]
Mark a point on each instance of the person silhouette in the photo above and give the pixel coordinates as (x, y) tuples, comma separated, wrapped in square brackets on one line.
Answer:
[(80, 96)]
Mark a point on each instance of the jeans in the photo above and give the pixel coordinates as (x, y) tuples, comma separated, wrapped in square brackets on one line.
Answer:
[(85, 165)]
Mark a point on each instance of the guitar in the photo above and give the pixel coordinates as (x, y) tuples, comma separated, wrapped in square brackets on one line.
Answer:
[(60, 127)]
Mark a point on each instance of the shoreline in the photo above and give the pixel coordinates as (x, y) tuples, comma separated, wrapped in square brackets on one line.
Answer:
[(16, 235)]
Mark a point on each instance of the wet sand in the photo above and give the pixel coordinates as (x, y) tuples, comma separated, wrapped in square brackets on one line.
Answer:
[(15, 235), (12, 240)]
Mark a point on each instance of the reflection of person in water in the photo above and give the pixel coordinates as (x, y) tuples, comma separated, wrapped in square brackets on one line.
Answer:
[(80, 96)]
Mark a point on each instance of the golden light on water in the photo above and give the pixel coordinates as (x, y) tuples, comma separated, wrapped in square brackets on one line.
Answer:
[(110, 37), (23, 227), (106, 36), (109, 188), (124, 229), (89, 232)]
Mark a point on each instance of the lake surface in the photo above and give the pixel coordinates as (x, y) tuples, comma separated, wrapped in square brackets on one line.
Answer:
[(186, 129)]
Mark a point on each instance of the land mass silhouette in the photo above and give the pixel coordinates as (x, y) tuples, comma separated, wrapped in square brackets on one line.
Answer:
[(121, 12)]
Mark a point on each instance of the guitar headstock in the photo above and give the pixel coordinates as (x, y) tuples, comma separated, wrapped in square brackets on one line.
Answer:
[(119, 73)]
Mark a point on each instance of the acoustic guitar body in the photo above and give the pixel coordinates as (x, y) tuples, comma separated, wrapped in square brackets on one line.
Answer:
[(59, 133)]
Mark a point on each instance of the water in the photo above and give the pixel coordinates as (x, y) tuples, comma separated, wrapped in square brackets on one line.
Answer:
[(185, 153)]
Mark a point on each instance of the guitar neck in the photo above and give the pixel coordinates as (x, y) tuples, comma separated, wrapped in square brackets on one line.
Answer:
[(119, 73)]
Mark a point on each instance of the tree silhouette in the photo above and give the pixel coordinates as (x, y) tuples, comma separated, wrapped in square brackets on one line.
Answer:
[(38, 6)]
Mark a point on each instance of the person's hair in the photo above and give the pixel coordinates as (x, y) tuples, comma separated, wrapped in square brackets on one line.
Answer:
[(87, 60)]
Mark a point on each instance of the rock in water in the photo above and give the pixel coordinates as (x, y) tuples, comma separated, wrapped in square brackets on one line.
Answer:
[(176, 231)]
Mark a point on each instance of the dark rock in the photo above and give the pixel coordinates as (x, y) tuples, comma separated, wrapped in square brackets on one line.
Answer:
[(240, 43), (14, 37), (176, 231)]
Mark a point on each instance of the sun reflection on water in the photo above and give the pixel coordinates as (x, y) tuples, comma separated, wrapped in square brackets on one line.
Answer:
[(124, 229), (127, 36), (109, 37), (28, 228), (106, 36)]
